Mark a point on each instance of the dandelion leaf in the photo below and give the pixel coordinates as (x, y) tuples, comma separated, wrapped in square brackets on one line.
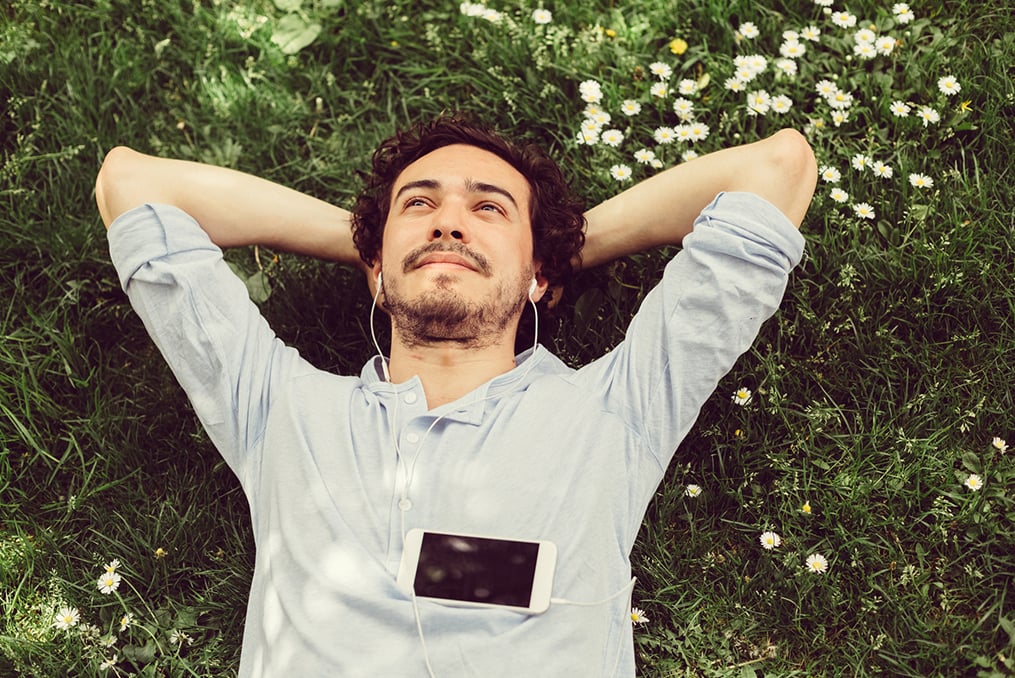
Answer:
[(293, 33)]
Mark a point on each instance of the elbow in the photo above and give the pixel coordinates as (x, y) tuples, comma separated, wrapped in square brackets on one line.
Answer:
[(109, 182), (792, 159)]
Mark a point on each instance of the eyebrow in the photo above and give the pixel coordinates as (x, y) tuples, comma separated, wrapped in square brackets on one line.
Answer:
[(471, 185)]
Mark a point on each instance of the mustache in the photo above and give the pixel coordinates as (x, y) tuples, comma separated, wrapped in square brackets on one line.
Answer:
[(478, 261)]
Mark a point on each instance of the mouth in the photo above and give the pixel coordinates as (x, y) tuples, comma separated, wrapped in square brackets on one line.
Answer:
[(445, 260)]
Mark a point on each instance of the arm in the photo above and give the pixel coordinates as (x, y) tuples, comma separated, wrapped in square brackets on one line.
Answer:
[(234, 208), (661, 209)]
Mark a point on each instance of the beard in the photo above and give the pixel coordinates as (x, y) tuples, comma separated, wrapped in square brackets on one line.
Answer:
[(440, 315)]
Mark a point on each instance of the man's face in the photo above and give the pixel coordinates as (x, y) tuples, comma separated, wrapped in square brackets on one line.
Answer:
[(457, 247)]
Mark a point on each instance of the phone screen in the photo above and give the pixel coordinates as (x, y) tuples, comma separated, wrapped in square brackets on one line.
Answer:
[(476, 569)]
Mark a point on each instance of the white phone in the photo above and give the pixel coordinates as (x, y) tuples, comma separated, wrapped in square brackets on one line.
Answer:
[(464, 570)]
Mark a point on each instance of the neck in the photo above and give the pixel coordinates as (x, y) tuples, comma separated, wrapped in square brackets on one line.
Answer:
[(449, 370)]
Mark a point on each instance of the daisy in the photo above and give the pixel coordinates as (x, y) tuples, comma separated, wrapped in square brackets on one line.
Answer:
[(683, 108), (473, 9), (861, 161), (758, 102), (630, 107), (863, 210), (591, 127), (882, 170), (664, 135), (812, 33), (792, 49), (734, 84), (692, 491), (903, 14), (660, 90), (620, 172), (921, 181), (823, 3), (865, 51), (600, 117), (591, 91), (638, 616), (699, 132), (928, 115), (683, 133), (756, 63), (542, 16), (587, 138), (612, 137), (108, 664), (831, 175), (660, 70), (974, 482), (948, 85), (885, 45), (782, 104), (1000, 444), (838, 195), (900, 109), (112, 566), (644, 156), (839, 117), (770, 540), (689, 154), (790, 36), (742, 396), (493, 16), (826, 88), (126, 621), (864, 36), (840, 99), (109, 582), (787, 67), (843, 19), (817, 563), (687, 87), (748, 30), (66, 618)]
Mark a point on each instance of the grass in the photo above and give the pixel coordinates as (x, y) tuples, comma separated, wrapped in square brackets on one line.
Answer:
[(878, 388)]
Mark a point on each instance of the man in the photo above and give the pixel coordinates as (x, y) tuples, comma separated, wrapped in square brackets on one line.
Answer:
[(452, 431)]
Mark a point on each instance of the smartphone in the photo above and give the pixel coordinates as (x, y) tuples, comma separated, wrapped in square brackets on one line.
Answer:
[(463, 570)]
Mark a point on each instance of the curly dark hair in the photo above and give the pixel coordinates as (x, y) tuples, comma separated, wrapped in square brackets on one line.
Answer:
[(555, 211)]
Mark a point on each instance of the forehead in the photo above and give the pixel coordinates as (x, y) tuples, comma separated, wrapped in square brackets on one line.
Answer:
[(461, 165)]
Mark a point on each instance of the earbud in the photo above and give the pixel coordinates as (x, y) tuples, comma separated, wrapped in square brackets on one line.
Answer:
[(533, 286), (378, 279)]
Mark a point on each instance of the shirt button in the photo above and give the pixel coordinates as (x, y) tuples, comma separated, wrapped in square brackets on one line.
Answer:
[(412, 438), (410, 398), (404, 504)]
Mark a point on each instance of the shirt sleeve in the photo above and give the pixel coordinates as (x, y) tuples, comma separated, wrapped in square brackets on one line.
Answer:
[(201, 318), (727, 280)]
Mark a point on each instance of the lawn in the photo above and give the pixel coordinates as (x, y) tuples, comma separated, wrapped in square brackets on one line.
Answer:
[(844, 504)]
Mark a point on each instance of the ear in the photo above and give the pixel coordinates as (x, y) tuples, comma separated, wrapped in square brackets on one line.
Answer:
[(372, 274), (541, 283)]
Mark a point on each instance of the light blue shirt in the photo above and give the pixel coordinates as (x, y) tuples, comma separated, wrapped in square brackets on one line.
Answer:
[(541, 452)]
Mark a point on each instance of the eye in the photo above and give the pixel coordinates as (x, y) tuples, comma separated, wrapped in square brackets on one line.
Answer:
[(416, 202), (491, 207)]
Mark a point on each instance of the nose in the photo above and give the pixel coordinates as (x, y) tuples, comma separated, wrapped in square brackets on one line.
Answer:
[(449, 223)]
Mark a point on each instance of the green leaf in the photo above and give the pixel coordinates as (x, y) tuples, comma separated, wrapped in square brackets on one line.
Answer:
[(258, 287), (289, 5), (139, 654), (971, 462), (294, 33)]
